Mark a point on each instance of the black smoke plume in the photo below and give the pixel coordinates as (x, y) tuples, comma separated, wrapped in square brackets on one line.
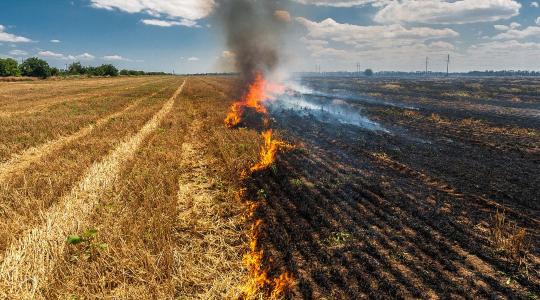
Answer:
[(253, 31)]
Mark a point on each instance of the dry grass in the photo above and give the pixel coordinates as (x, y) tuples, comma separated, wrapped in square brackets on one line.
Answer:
[(30, 130), (157, 207), (26, 266), (172, 224), (509, 238)]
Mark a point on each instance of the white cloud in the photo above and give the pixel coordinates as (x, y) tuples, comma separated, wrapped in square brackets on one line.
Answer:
[(501, 27), (538, 21), (17, 52), (11, 38), (535, 4), (516, 34), (180, 10), (447, 12), (115, 58), (85, 56), (51, 54), (513, 25), (371, 36), (440, 45), (385, 46), (343, 3), (168, 23), (55, 55), (499, 55), (55, 41), (193, 59)]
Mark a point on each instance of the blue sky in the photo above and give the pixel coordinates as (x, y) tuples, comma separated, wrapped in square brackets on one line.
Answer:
[(182, 35)]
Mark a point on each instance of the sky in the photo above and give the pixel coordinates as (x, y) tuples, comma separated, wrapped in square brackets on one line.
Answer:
[(184, 36)]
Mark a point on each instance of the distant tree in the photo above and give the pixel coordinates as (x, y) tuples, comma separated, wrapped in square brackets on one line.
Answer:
[(107, 70), (124, 72), (55, 71), (93, 71), (76, 69), (35, 67), (9, 67), (368, 72)]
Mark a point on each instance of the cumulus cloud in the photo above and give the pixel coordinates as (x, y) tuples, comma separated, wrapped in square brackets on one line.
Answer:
[(181, 11), (55, 41), (499, 55), (516, 34), (447, 12), (513, 25), (51, 54), (169, 23), (11, 38), (115, 58), (193, 58), (343, 3), (385, 46), (535, 4), (538, 21), (55, 55), (17, 52), (371, 36), (84, 56)]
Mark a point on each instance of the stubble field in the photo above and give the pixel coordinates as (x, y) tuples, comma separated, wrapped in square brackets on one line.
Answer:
[(133, 188)]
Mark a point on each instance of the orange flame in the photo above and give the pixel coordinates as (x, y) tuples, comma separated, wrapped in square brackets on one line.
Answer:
[(258, 92), (260, 281), (269, 151)]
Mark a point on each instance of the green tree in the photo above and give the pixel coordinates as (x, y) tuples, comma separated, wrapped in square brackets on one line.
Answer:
[(35, 67), (55, 71), (107, 70), (76, 69), (368, 72), (124, 72), (9, 67)]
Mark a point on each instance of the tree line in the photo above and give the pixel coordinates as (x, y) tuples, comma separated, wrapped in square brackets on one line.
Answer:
[(35, 67)]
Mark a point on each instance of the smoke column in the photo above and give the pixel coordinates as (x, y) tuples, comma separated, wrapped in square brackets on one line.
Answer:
[(253, 31)]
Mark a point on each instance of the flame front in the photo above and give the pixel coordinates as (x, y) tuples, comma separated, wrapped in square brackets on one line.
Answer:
[(269, 151), (254, 98), (274, 287)]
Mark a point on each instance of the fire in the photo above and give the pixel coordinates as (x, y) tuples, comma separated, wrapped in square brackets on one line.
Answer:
[(273, 287), (258, 92), (261, 281), (269, 151)]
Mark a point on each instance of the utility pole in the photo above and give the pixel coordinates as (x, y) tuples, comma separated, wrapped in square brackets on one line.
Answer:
[(358, 69), (427, 63), (448, 66)]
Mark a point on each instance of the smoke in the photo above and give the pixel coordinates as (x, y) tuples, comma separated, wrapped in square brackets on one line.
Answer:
[(253, 31)]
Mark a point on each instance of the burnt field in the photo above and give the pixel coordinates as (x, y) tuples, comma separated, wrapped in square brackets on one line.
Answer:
[(404, 188)]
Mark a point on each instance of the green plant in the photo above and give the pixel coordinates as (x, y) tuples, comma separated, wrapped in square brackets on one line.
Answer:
[(9, 67), (296, 182), (35, 67), (338, 238), (87, 242)]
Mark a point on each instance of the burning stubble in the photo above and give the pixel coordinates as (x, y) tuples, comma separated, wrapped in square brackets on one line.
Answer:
[(253, 31)]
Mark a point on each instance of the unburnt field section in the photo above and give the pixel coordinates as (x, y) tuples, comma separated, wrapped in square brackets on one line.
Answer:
[(439, 198), (122, 188)]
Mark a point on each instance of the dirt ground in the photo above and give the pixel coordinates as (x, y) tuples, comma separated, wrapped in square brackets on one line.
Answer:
[(408, 211)]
